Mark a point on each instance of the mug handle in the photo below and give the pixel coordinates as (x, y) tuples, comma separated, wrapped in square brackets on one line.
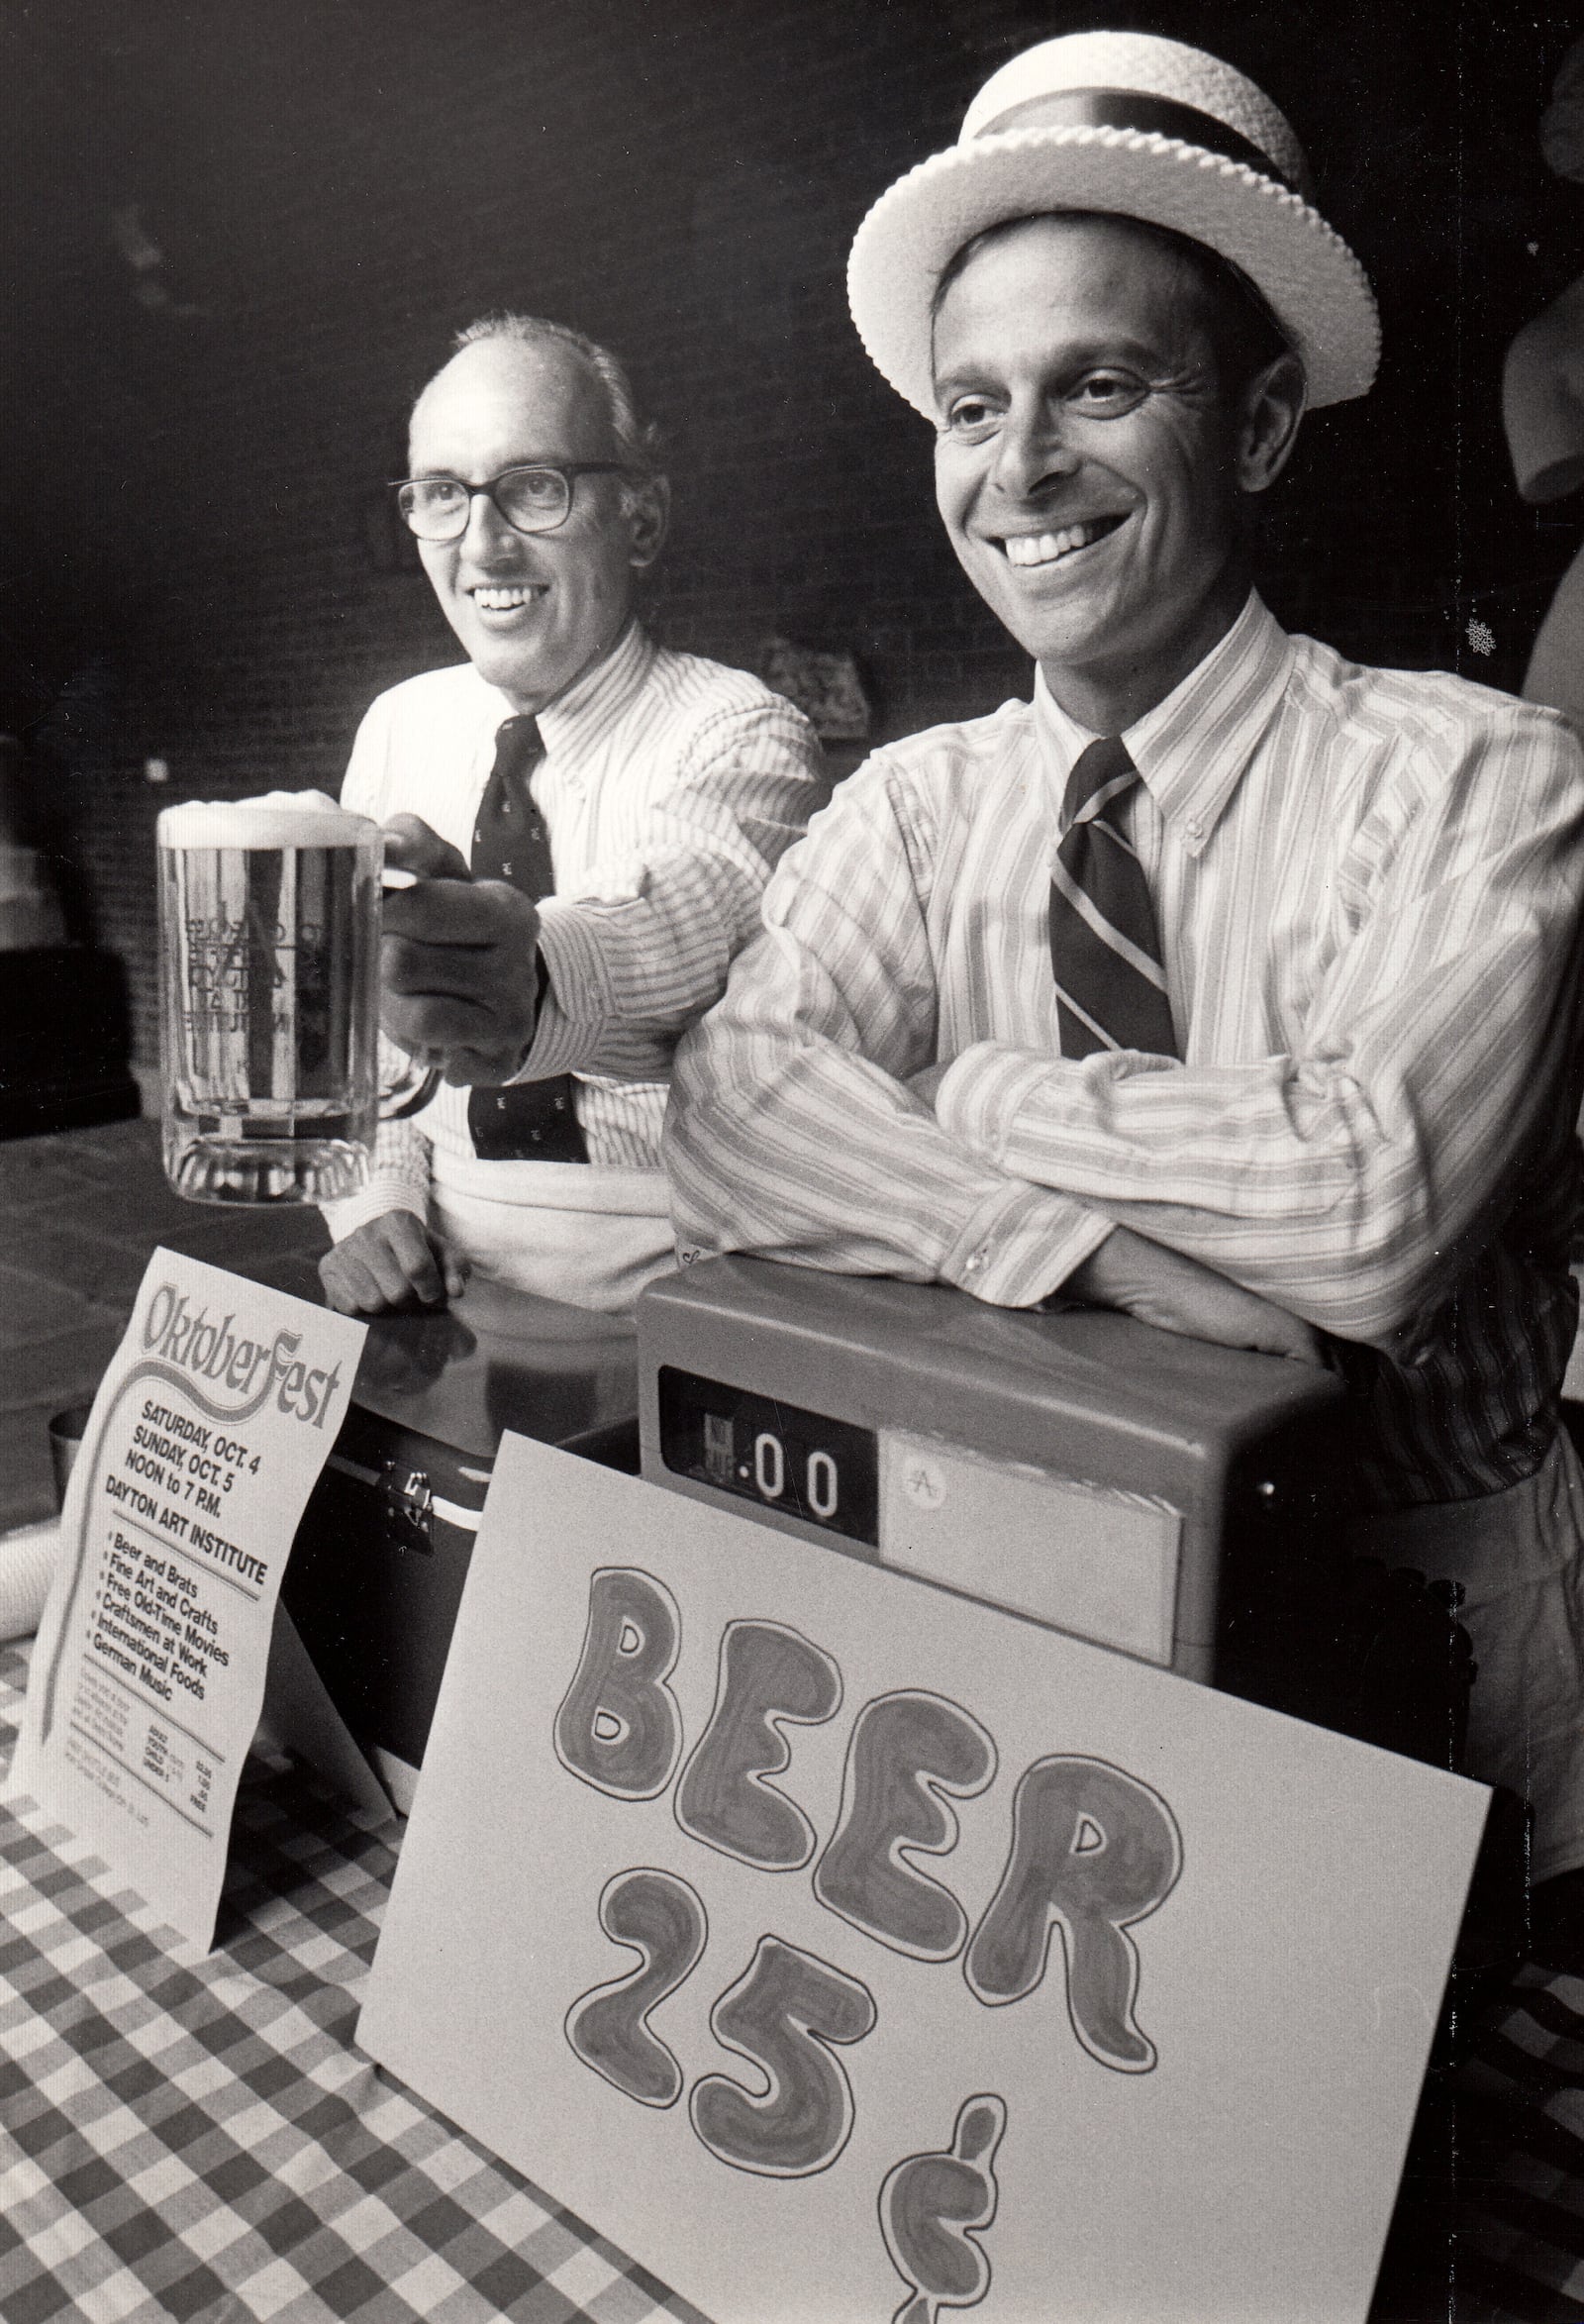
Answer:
[(413, 1091), (410, 1094)]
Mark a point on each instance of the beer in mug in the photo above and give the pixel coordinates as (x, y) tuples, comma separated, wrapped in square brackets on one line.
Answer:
[(270, 960)]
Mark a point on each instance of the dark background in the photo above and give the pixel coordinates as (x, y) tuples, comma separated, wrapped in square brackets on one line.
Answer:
[(236, 236)]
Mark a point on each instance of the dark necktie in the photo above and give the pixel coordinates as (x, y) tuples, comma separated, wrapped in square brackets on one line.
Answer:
[(534, 1121), (1111, 989)]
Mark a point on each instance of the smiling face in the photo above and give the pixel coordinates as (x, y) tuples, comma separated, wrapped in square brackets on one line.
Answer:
[(1089, 469), (533, 610)]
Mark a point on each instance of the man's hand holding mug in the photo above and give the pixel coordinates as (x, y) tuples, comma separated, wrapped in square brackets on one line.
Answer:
[(459, 960)]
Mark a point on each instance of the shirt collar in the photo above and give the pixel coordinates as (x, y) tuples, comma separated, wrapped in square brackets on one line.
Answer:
[(1191, 750), (600, 694)]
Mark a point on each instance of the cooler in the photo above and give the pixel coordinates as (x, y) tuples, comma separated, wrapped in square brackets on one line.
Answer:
[(381, 1557)]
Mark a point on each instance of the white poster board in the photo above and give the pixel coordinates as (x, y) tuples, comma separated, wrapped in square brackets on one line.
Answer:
[(846, 1951), (208, 1432)]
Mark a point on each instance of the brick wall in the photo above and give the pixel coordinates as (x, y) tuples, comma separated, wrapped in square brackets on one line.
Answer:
[(246, 230)]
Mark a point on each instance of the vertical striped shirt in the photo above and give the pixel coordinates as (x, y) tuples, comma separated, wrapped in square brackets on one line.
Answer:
[(1368, 889), (670, 788)]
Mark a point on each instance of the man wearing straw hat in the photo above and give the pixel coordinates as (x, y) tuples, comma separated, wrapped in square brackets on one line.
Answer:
[(1226, 984)]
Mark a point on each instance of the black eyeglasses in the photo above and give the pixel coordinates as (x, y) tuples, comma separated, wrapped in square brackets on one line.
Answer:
[(532, 500)]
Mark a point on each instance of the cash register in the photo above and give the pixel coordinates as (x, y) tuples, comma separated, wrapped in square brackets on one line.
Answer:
[(1156, 1495)]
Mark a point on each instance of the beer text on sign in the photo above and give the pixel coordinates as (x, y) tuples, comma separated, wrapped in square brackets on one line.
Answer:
[(1093, 1851)]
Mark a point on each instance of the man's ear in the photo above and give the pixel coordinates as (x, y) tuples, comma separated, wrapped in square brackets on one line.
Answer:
[(648, 520), (1272, 410)]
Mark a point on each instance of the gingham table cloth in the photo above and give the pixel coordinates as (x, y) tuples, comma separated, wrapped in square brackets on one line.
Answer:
[(1519, 2157), (196, 2138)]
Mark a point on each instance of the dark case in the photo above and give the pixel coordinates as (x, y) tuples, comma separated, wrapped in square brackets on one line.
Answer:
[(381, 1556)]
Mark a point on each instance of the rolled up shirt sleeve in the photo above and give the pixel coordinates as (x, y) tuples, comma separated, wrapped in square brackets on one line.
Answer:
[(398, 1174), (641, 944), (793, 1132), (1351, 1179)]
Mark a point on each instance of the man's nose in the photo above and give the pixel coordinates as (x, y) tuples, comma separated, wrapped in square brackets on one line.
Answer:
[(486, 531), (1032, 450)]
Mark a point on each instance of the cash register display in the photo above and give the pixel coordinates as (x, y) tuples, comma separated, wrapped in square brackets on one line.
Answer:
[(775, 1454)]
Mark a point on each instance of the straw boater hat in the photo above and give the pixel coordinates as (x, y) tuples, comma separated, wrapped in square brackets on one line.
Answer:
[(1142, 127)]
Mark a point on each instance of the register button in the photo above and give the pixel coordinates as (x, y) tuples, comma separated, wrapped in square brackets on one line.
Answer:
[(1099, 1564)]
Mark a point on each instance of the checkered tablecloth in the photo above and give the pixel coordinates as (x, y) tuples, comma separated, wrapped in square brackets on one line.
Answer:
[(196, 2138), (1518, 2169)]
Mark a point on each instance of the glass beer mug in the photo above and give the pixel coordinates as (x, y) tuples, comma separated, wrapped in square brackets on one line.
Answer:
[(270, 913)]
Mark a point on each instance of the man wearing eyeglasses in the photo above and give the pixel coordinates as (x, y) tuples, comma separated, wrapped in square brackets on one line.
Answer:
[(590, 819)]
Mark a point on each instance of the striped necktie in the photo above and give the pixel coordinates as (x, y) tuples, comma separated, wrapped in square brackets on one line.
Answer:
[(1111, 987), (534, 1121)]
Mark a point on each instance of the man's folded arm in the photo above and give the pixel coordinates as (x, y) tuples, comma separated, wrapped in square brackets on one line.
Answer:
[(641, 945), (1351, 1181), (793, 1132)]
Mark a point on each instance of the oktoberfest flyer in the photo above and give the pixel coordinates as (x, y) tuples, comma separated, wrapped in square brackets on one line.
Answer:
[(206, 1438)]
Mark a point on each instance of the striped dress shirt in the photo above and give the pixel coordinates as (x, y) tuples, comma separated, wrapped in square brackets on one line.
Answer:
[(1368, 889), (670, 787)]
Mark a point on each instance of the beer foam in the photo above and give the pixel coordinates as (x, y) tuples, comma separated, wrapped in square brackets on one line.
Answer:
[(276, 819)]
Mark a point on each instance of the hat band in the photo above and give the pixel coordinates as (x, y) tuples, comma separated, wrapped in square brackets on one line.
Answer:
[(1134, 109)]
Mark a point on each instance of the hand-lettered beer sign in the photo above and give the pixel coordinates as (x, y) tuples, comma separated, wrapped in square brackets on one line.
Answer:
[(844, 1949)]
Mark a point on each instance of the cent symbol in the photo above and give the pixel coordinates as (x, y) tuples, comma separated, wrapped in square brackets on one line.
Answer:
[(935, 2207), (662, 1920)]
